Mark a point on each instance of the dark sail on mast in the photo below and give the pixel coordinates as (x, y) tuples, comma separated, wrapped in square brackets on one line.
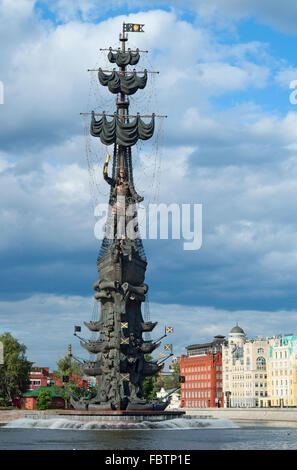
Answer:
[(119, 83), (123, 58), (122, 133)]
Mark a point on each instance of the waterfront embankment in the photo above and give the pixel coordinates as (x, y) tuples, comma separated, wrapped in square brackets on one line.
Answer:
[(7, 415), (246, 414)]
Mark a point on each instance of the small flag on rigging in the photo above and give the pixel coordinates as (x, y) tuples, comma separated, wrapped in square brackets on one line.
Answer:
[(133, 28), (125, 377), (168, 329)]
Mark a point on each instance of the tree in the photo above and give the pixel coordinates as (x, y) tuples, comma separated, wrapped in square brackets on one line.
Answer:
[(172, 380), (150, 384), (67, 367), (77, 392), (72, 369), (14, 373), (44, 400), (150, 387)]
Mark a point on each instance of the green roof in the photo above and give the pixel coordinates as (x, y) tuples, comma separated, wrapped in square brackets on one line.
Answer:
[(53, 391), (237, 329)]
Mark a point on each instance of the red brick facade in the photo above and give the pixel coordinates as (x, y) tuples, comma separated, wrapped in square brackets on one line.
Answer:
[(30, 403), (203, 387), (39, 377)]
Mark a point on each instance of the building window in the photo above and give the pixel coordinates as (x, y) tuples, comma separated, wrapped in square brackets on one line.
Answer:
[(35, 382), (260, 363), (248, 363)]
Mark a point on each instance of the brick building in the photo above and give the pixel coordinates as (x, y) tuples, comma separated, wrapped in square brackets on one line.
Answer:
[(39, 377), (202, 369), (28, 400)]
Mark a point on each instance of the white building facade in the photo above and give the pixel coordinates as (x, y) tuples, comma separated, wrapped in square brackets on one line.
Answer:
[(244, 370)]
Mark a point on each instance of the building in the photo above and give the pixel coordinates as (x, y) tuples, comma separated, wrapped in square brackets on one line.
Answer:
[(244, 370), (28, 400), (79, 382), (282, 372), (202, 369), (39, 377)]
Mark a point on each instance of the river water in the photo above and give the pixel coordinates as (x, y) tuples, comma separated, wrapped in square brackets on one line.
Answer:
[(178, 434)]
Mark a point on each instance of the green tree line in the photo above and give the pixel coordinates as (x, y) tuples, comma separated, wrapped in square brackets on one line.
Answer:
[(14, 372)]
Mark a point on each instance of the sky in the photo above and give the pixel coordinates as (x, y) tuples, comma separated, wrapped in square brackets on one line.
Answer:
[(229, 143)]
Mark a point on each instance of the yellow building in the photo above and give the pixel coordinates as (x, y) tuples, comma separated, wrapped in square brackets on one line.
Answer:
[(281, 372)]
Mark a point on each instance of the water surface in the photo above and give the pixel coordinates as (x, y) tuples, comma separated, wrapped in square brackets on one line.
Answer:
[(178, 434)]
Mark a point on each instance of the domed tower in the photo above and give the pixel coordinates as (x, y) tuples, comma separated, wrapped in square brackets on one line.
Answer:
[(236, 339), (237, 335)]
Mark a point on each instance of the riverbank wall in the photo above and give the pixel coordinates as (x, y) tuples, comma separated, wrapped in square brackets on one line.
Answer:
[(246, 414), (9, 415)]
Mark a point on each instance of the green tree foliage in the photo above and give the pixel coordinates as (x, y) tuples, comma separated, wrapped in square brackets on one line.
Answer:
[(150, 387), (172, 380), (72, 389), (14, 373), (68, 367), (44, 400), (150, 384)]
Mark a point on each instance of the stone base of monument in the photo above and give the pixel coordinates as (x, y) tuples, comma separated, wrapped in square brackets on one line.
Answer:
[(117, 416)]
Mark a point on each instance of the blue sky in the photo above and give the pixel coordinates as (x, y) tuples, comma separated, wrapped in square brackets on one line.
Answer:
[(229, 143)]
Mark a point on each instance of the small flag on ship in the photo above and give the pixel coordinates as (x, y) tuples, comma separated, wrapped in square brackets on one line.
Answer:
[(125, 377), (125, 340), (168, 329), (133, 28)]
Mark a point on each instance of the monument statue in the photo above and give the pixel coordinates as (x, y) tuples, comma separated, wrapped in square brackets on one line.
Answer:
[(120, 366)]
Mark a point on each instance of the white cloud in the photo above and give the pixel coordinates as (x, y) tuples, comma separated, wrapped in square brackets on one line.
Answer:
[(279, 15), (50, 321), (218, 78), (238, 161), (46, 83), (48, 207)]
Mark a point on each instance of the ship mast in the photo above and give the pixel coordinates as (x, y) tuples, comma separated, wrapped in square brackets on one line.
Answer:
[(122, 105)]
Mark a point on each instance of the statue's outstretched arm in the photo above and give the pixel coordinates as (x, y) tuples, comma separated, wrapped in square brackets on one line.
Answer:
[(109, 180)]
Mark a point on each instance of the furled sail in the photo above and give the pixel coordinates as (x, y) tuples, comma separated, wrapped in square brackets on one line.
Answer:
[(123, 133), (124, 58), (119, 83)]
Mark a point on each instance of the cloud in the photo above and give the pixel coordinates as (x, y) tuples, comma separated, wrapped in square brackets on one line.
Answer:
[(50, 321), (238, 160), (221, 148), (47, 86), (224, 13)]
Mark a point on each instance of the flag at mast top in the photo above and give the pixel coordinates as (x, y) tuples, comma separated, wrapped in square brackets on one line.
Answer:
[(133, 28)]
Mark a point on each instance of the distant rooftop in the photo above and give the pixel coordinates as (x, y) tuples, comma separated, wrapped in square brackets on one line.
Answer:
[(217, 340)]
